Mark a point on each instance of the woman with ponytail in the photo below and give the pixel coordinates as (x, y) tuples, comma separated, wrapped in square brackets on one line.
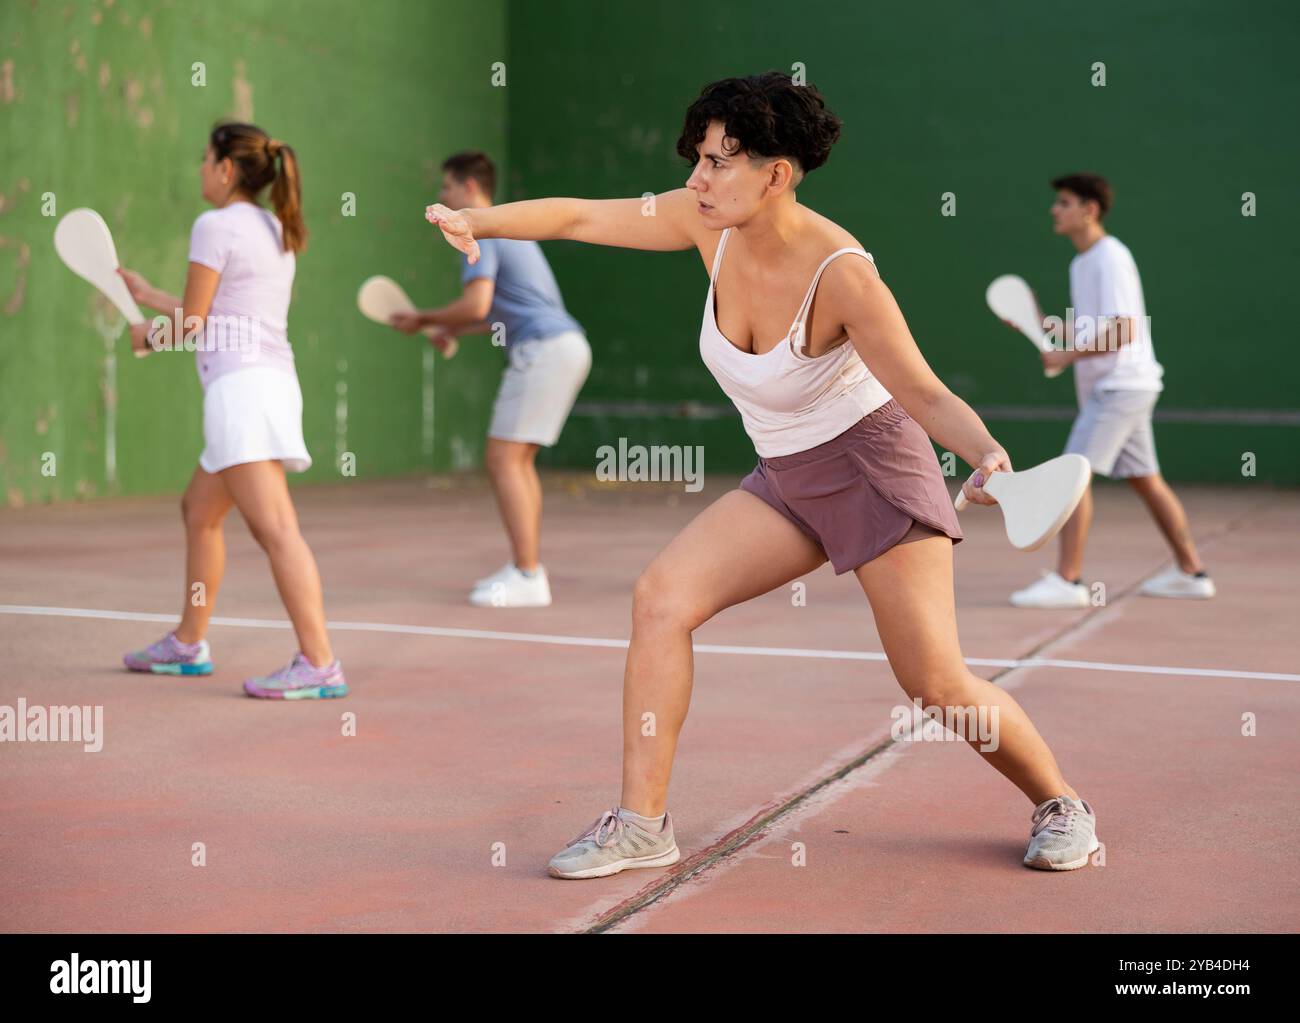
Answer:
[(241, 267)]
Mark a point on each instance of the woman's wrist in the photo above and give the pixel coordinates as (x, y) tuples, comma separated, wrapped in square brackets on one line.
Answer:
[(157, 299), (470, 215)]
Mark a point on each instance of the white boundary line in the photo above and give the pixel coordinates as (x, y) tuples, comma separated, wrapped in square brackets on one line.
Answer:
[(621, 644)]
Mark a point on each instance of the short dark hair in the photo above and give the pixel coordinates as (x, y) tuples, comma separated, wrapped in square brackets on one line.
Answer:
[(1088, 186), (473, 163), (768, 115)]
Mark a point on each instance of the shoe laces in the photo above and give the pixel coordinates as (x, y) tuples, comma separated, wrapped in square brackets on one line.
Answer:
[(1055, 815), (606, 830), (291, 670), (169, 648)]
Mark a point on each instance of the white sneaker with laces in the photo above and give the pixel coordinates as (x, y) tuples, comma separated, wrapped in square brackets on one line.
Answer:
[(515, 590), (1051, 591), (1174, 582)]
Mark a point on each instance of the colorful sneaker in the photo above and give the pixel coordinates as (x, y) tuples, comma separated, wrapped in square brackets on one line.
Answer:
[(300, 680), (169, 656), (1174, 582), (613, 843), (1064, 834), (1051, 591), (514, 589)]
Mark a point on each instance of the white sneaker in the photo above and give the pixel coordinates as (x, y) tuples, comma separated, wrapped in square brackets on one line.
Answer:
[(501, 573), (514, 590), (1174, 582), (1051, 591)]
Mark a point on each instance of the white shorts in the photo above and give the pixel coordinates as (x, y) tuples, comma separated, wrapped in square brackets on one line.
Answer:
[(1113, 431), (540, 384), (253, 415)]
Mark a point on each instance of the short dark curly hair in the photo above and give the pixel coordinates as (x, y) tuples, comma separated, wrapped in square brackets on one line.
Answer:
[(768, 115)]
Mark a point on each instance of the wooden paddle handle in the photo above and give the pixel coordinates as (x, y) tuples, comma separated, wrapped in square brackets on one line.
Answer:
[(961, 501)]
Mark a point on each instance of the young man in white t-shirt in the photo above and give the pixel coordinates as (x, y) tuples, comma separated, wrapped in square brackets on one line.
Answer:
[(1117, 381)]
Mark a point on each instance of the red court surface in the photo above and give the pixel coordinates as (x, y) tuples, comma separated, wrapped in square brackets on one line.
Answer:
[(487, 738)]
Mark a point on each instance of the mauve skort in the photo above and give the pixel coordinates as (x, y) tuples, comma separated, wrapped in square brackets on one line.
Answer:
[(857, 495)]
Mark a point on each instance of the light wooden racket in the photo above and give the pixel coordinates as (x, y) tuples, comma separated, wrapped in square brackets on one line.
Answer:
[(1013, 301), (85, 244), (381, 298), (1037, 502)]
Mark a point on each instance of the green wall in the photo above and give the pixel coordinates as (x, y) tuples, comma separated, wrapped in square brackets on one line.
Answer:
[(98, 107), (988, 101)]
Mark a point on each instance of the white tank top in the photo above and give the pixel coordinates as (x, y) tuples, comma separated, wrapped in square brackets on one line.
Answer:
[(788, 401)]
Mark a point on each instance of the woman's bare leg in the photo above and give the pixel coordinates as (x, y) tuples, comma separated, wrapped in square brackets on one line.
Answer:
[(203, 507), (911, 594), (735, 549), (261, 493)]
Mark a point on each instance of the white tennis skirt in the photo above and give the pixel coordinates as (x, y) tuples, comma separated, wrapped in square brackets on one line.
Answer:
[(253, 415)]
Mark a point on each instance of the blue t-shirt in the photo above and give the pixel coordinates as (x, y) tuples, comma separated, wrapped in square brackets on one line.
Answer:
[(526, 298)]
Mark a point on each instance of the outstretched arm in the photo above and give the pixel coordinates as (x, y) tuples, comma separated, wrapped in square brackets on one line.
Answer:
[(662, 223)]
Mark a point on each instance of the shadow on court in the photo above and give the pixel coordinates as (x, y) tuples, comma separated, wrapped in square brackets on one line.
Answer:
[(485, 739)]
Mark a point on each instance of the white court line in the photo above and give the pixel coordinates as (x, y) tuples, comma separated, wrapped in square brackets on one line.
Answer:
[(621, 644)]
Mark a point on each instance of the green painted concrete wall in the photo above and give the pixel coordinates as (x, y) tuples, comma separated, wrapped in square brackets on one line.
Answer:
[(98, 107), (986, 101)]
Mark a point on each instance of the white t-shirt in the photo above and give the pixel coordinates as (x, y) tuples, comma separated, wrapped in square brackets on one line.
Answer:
[(1104, 282), (248, 322)]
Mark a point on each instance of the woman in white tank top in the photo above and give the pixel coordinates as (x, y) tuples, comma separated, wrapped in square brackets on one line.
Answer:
[(838, 406)]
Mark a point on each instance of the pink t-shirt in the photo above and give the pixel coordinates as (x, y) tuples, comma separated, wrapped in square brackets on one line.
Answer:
[(248, 322)]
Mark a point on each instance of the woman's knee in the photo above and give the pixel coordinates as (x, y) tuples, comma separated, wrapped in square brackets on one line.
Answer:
[(658, 602), (937, 688), (274, 533), (199, 514)]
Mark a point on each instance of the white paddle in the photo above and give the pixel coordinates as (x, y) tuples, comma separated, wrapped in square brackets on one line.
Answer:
[(1013, 300), (381, 298), (85, 244), (1037, 502)]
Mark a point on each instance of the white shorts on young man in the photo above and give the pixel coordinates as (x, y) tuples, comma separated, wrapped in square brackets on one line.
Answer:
[(541, 382), (253, 415), (1113, 431)]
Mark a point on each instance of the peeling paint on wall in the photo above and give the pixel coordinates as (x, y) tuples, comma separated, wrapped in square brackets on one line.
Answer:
[(43, 418), (243, 98), (97, 88), (23, 257), (133, 91)]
